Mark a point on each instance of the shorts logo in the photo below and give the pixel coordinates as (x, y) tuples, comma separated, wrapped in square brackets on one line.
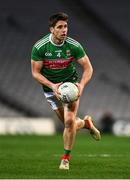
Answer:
[(48, 54)]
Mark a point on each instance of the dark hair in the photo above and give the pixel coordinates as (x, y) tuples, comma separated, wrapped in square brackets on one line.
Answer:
[(57, 17)]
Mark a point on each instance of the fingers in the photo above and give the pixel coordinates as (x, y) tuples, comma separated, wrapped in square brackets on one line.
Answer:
[(78, 86), (56, 90), (58, 85)]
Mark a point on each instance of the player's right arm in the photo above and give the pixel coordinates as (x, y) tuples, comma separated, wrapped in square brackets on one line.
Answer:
[(36, 67)]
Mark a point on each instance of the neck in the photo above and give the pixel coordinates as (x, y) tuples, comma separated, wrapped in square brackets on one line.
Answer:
[(56, 40)]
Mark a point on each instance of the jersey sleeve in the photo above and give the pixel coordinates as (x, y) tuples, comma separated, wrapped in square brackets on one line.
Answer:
[(35, 55), (79, 52)]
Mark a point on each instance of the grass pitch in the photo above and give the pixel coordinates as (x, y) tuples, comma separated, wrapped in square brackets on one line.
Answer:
[(39, 157)]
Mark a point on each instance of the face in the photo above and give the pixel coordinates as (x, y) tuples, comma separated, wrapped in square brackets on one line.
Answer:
[(59, 32)]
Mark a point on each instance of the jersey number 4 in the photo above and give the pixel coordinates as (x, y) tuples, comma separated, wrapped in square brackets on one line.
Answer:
[(58, 54)]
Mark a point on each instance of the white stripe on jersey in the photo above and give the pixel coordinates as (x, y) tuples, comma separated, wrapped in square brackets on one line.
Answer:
[(41, 41), (69, 38), (73, 43)]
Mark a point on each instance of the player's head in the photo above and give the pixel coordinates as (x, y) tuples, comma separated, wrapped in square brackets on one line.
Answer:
[(58, 24), (57, 17)]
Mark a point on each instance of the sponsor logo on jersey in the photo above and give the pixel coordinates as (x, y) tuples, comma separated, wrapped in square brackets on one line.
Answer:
[(57, 64)]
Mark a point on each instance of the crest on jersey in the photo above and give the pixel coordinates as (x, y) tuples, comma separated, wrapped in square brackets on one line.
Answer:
[(68, 53)]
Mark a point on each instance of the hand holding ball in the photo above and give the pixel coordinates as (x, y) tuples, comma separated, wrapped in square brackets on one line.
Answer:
[(69, 92)]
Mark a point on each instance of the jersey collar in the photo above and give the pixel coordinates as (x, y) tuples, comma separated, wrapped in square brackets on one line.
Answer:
[(50, 39)]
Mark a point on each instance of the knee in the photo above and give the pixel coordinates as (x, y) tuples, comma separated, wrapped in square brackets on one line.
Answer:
[(69, 123)]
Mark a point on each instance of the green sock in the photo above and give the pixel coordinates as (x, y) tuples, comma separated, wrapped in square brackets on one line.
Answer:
[(67, 152)]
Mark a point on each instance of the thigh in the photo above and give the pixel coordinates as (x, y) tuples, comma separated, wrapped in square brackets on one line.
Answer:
[(70, 110), (67, 110), (60, 113), (56, 105)]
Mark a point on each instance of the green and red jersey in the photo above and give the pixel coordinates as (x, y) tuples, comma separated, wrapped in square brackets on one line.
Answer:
[(58, 60)]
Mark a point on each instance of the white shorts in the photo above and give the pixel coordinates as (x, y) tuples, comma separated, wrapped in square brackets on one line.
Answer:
[(53, 100)]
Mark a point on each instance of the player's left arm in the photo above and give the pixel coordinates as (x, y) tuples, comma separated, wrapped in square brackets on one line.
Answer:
[(87, 72)]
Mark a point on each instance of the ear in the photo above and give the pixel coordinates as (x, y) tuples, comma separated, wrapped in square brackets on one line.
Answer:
[(51, 29)]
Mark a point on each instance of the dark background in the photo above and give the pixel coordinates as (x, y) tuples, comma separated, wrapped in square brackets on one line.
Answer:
[(102, 27)]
